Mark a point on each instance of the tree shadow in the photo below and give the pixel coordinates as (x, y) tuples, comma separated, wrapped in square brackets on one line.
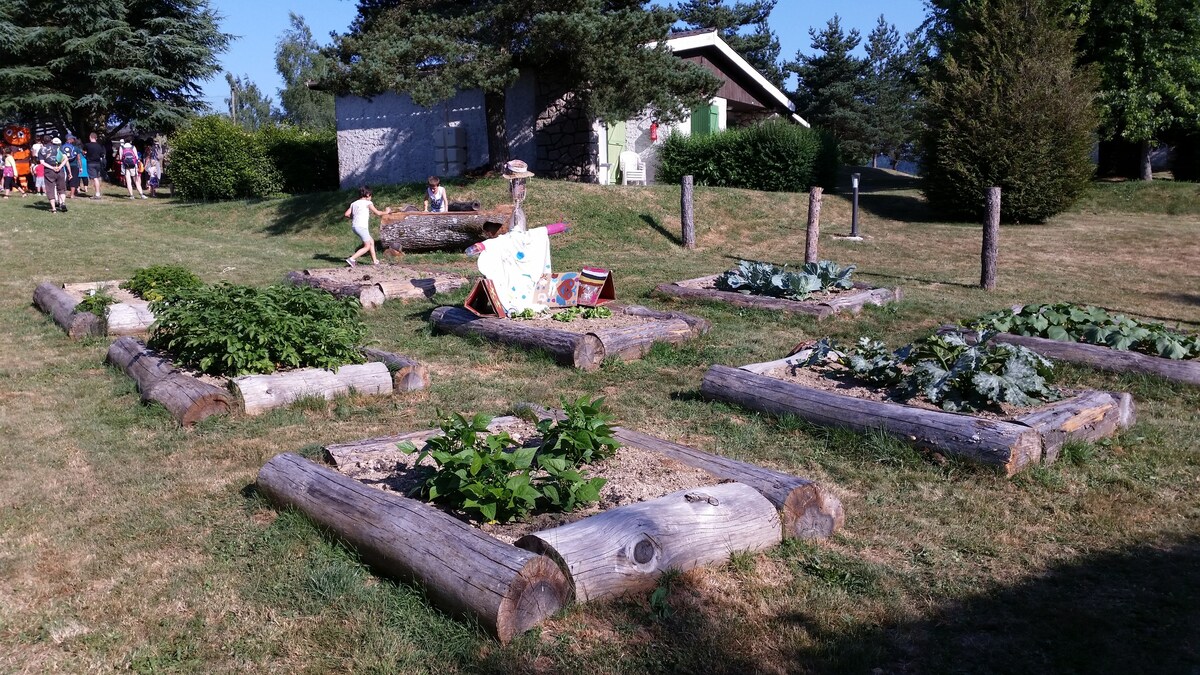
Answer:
[(653, 222), (1125, 611), (304, 212), (942, 282)]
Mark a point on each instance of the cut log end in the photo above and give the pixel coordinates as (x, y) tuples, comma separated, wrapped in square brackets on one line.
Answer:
[(809, 512), (539, 591)]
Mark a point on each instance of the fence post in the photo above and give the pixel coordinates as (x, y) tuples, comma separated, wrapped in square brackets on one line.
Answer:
[(813, 233), (687, 215), (991, 234)]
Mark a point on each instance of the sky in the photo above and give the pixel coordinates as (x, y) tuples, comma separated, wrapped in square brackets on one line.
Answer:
[(259, 23)]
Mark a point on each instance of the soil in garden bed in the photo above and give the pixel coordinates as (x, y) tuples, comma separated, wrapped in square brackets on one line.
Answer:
[(366, 274), (580, 324), (633, 474), (710, 284), (118, 293), (840, 381)]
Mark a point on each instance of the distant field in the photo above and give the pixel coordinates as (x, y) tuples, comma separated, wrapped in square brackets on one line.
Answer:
[(127, 543)]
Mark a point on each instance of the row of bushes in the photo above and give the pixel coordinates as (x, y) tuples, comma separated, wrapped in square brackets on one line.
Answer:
[(213, 158), (773, 156)]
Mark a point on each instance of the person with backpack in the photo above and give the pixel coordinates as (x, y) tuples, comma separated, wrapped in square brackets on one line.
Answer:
[(74, 165), (54, 169), (129, 160)]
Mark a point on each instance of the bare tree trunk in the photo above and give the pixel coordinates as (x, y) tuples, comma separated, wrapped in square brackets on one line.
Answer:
[(991, 236), (812, 233), (493, 103), (1144, 160), (687, 216)]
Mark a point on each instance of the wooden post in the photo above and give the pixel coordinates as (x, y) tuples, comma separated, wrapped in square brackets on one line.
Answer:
[(687, 215), (991, 234), (811, 254)]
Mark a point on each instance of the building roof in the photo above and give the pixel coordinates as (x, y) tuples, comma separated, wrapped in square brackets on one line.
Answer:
[(708, 41)]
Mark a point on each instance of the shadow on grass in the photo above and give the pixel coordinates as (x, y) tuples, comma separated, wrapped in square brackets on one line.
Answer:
[(1131, 610), (307, 211), (670, 236), (922, 280)]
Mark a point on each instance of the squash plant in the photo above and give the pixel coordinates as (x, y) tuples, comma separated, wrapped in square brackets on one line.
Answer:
[(1068, 322)]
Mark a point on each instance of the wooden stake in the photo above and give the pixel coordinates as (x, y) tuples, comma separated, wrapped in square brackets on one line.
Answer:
[(687, 215), (991, 235), (811, 254)]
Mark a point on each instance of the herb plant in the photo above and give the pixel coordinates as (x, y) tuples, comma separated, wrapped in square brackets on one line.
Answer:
[(572, 313), (1067, 322), (945, 370), (158, 281), (235, 330), (584, 437), (96, 301), (760, 278)]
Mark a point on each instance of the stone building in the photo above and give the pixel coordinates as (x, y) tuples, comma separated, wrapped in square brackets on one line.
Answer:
[(389, 139)]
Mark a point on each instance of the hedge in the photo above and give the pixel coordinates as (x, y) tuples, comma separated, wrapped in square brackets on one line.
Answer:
[(773, 156)]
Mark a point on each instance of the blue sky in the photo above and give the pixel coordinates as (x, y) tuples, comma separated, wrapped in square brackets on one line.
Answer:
[(259, 24)]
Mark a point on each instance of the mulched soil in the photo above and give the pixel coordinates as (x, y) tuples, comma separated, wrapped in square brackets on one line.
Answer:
[(580, 324)]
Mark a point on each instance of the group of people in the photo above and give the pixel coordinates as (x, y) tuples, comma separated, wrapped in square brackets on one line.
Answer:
[(360, 212), (63, 170)]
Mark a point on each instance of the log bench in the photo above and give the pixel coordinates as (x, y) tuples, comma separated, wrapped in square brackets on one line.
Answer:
[(1010, 445), (852, 300), (585, 351)]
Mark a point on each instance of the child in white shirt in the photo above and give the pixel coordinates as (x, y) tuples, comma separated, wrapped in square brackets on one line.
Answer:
[(360, 217)]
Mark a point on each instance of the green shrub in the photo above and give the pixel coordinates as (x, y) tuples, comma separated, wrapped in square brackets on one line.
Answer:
[(213, 158), (584, 437), (158, 281), (96, 301), (773, 156), (236, 330), (307, 161)]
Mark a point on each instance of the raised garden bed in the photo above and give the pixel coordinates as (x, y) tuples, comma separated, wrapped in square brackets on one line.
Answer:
[(638, 531), (821, 305), (1011, 442), (130, 315), (584, 344), (375, 284), (191, 397)]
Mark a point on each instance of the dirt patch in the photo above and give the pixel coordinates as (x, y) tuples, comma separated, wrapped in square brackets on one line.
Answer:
[(633, 475), (580, 324), (80, 291), (367, 274), (710, 283)]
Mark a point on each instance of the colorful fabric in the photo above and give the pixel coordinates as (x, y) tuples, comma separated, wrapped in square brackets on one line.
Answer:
[(566, 290), (591, 283), (515, 263)]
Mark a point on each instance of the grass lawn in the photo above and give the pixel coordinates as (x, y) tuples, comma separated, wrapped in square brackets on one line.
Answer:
[(127, 543)]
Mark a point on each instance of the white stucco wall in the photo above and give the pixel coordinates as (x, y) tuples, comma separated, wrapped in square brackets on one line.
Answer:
[(389, 139)]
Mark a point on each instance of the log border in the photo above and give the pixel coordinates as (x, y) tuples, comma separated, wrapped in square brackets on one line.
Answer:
[(57, 301), (853, 302), (373, 294)]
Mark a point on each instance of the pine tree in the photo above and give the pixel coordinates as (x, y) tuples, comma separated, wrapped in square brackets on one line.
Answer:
[(760, 47), (830, 88), (300, 61), (597, 49), (1007, 106), (107, 63), (890, 92), (248, 107)]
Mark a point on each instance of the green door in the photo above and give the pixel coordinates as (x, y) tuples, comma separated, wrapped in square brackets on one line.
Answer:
[(706, 119), (616, 143)]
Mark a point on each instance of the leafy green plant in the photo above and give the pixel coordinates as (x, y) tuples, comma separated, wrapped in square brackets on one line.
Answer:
[(489, 478), (773, 156), (760, 278), (1068, 322), (584, 437), (235, 330), (572, 313), (154, 283), (96, 301), (524, 314), (945, 370), (212, 158)]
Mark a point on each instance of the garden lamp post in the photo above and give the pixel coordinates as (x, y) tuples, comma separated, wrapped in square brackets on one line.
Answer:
[(854, 208)]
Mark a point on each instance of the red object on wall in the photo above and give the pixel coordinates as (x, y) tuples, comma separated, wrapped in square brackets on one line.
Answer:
[(654, 132)]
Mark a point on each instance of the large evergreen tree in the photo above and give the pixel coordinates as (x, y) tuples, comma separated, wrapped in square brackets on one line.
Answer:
[(830, 89), (891, 92), (103, 64), (299, 61), (598, 49), (248, 107), (1007, 106), (1148, 57), (760, 47)]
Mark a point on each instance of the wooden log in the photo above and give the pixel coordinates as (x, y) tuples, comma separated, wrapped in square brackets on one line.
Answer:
[(991, 238), (853, 301), (60, 305), (626, 549), (629, 343), (807, 510), (464, 206), (188, 399), (1087, 416), (699, 325), (687, 214), (581, 350), (260, 393), (813, 232), (341, 454), (1004, 445), (463, 571), (424, 231), (324, 283), (128, 318), (407, 373), (1100, 357)]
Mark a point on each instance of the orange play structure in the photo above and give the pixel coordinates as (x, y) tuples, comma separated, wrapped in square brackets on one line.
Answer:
[(20, 138)]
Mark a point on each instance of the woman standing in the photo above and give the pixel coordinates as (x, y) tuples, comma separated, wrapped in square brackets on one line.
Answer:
[(54, 168)]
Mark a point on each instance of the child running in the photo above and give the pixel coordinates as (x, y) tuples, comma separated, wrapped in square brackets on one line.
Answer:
[(359, 214)]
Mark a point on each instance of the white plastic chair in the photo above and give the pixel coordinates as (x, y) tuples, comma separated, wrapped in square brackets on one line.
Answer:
[(632, 170)]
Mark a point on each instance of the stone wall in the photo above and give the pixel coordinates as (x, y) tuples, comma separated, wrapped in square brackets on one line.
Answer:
[(567, 144)]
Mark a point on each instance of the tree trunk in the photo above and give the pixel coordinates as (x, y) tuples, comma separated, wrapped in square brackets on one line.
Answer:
[(687, 215), (188, 399), (417, 231), (260, 393), (407, 373), (991, 237), (494, 108), (630, 343), (1004, 445), (61, 306), (462, 570), (626, 549), (813, 233), (1144, 163), (1087, 416)]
